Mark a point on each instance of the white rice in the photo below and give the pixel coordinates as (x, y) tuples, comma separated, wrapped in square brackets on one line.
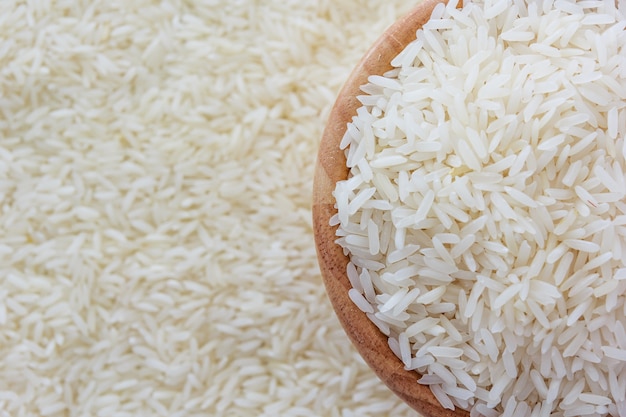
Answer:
[(497, 148), (156, 250)]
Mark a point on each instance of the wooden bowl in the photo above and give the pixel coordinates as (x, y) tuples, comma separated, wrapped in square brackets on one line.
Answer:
[(330, 168)]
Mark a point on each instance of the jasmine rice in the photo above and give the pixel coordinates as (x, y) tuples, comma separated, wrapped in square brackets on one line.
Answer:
[(485, 214)]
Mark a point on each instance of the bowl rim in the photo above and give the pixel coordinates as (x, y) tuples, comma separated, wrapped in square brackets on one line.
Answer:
[(331, 167)]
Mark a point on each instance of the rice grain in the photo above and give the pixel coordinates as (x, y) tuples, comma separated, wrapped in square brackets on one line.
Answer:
[(501, 163)]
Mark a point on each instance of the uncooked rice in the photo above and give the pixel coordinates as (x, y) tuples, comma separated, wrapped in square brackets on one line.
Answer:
[(484, 210), (156, 251)]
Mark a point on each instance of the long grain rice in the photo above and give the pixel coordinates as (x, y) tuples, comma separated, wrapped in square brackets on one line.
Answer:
[(156, 247), (497, 145)]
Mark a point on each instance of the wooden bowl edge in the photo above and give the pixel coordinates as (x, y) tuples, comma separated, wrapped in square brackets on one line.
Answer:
[(365, 336)]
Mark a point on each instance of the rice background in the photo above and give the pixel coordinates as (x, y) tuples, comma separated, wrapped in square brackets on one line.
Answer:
[(156, 251)]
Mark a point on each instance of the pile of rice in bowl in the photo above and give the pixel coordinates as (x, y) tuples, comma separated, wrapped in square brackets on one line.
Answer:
[(484, 213)]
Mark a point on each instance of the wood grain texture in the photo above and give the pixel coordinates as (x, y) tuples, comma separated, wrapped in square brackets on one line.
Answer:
[(330, 168)]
